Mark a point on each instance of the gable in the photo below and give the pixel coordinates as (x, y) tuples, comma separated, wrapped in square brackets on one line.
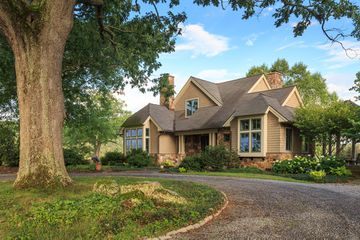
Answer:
[(293, 100), (260, 85), (191, 91)]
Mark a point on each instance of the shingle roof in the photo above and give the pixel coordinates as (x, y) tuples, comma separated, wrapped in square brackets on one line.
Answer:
[(162, 116), (235, 101)]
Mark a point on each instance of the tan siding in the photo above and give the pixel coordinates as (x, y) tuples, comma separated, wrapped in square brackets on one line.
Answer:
[(154, 138), (273, 136), (261, 86), (282, 138), (193, 92), (293, 101), (234, 134), (167, 144)]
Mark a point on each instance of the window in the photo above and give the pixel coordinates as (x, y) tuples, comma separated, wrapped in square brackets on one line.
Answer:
[(133, 139), (250, 135), (244, 142), (289, 140), (147, 140), (305, 148), (226, 137), (191, 107)]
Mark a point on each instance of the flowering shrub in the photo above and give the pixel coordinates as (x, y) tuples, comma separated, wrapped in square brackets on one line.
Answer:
[(340, 171), (306, 164), (318, 176)]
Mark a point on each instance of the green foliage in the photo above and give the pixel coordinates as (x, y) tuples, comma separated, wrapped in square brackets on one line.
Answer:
[(182, 170), (245, 170), (113, 158), (77, 213), (139, 158), (98, 122), (9, 143), (73, 157), (302, 164), (317, 176), (312, 86), (356, 86), (212, 159), (340, 171), (168, 164)]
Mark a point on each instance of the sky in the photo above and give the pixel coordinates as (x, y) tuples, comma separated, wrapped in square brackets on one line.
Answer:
[(217, 45)]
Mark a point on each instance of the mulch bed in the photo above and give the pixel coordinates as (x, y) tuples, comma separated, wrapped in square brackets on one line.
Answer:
[(4, 169)]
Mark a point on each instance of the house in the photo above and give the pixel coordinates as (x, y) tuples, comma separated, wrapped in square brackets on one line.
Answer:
[(253, 116)]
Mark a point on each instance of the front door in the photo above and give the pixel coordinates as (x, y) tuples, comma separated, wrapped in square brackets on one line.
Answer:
[(204, 141)]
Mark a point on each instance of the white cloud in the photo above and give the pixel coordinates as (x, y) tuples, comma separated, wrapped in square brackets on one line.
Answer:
[(213, 74), (341, 83), (337, 57), (298, 44), (250, 39), (200, 42)]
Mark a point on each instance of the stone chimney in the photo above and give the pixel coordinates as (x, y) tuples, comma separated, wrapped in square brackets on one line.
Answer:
[(275, 80), (170, 104)]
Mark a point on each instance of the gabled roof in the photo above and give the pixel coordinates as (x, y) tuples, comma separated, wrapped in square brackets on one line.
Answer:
[(162, 117), (233, 100)]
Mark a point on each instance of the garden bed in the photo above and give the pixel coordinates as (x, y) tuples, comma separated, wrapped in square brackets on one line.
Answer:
[(79, 213)]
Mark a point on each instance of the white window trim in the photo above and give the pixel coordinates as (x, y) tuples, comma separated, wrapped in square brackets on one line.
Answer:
[(186, 100), (146, 137), (263, 131)]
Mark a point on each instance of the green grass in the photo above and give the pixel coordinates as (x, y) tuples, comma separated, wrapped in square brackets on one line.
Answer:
[(78, 213), (106, 168)]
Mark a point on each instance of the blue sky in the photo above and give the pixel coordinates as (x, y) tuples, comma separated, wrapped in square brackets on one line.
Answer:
[(217, 45)]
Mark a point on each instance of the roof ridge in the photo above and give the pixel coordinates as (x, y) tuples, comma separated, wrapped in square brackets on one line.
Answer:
[(238, 79)]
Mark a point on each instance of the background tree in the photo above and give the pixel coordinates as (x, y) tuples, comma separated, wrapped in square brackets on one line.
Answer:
[(37, 32), (98, 123), (312, 86), (356, 86)]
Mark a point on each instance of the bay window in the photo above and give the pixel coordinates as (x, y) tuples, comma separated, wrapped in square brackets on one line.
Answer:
[(133, 138)]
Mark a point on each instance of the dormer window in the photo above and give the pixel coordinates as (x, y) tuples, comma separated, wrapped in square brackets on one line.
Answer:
[(191, 106)]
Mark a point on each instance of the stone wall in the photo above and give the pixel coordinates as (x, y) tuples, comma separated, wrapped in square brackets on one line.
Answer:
[(174, 157), (220, 138), (267, 162)]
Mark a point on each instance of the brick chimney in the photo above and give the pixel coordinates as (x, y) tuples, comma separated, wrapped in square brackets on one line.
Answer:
[(275, 80), (171, 80)]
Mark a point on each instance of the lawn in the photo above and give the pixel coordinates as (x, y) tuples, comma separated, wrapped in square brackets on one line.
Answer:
[(79, 213)]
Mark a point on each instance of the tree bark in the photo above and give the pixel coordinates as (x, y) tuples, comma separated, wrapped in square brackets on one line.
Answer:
[(330, 145), (324, 145), (353, 150), (38, 45), (338, 144), (97, 149)]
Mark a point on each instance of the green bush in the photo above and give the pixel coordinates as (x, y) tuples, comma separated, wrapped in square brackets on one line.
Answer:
[(168, 164), (317, 176), (113, 159), (340, 171), (9, 144), (212, 159), (139, 158), (182, 170), (192, 163), (73, 157), (301, 164)]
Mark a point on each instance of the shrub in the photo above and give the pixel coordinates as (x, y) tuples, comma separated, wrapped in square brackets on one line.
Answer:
[(318, 176), (168, 164), (182, 170), (113, 158), (212, 159), (139, 158), (194, 163), (340, 171), (73, 157), (9, 144), (300, 165)]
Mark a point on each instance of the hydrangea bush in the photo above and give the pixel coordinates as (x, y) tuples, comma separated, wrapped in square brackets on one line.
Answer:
[(305, 164)]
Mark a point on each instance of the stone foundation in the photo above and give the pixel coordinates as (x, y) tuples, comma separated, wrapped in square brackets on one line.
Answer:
[(267, 162), (174, 157)]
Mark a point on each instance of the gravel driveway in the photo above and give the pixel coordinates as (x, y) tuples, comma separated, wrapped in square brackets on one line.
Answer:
[(262, 209)]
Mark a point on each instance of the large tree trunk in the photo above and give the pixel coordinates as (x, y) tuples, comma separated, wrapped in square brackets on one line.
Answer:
[(338, 144), (97, 149), (324, 145), (330, 145), (38, 44), (353, 150)]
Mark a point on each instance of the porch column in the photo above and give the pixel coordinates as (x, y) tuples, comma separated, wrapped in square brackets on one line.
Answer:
[(181, 144), (212, 139)]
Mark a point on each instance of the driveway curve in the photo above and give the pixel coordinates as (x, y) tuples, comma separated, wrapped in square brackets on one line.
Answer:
[(264, 209)]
